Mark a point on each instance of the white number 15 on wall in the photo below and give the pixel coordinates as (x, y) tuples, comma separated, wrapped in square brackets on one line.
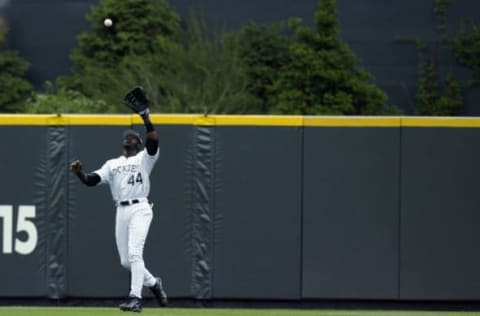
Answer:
[(24, 224)]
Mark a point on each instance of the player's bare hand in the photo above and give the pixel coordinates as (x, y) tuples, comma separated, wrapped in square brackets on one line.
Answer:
[(76, 166)]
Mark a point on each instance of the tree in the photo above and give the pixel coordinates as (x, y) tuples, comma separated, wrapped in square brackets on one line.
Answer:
[(322, 76), (205, 74), (264, 50), (110, 61), (466, 47), (186, 70), (14, 88), (435, 97), (57, 100)]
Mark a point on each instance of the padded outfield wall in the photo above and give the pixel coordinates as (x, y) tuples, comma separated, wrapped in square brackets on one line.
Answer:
[(250, 207)]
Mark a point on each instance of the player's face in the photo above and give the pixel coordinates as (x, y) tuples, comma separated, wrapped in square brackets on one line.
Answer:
[(130, 142)]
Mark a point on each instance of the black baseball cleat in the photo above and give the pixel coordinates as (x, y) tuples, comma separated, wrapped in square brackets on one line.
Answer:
[(159, 293), (133, 304)]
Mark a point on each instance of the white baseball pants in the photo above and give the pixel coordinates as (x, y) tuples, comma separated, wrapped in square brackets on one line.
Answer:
[(131, 230)]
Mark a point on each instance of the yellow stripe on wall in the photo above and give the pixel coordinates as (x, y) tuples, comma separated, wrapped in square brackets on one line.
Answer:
[(70, 119), (14, 119), (80, 119), (441, 122), (168, 119), (259, 120), (239, 120), (352, 121)]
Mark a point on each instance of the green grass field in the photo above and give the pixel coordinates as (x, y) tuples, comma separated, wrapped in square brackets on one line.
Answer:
[(77, 311)]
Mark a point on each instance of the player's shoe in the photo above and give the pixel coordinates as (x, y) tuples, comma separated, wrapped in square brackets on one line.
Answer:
[(159, 293), (133, 304)]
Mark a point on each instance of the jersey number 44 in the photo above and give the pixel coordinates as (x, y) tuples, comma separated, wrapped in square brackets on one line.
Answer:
[(135, 179)]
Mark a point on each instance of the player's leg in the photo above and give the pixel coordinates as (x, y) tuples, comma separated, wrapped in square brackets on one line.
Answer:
[(148, 278), (121, 237), (155, 284), (137, 235)]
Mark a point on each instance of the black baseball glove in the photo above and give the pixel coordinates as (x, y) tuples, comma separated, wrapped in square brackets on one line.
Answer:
[(136, 99)]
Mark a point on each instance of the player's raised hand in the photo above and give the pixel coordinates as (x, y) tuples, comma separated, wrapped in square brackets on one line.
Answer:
[(136, 99), (76, 166)]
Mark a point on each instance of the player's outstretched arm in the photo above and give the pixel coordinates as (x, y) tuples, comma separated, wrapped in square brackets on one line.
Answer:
[(137, 101), (89, 179), (152, 138)]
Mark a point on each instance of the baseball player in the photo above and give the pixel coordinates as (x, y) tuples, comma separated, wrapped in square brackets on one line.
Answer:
[(128, 177)]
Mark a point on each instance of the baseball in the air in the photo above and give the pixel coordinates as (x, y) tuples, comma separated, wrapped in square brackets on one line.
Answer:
[(107, 22)]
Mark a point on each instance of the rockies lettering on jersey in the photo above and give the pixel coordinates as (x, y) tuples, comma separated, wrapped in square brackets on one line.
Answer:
[(125, 169), (128, 176)]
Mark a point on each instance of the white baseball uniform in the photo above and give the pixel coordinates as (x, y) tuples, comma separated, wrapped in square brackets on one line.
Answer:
[(129, 182)]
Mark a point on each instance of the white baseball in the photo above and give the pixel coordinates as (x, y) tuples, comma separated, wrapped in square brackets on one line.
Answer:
[(107, 22)]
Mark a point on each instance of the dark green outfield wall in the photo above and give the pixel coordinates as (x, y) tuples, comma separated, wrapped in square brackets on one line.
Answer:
[(440, 214), (253, 212), (351, 202)]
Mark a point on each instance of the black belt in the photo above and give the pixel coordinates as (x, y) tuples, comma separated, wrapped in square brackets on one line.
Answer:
[(128, 202)]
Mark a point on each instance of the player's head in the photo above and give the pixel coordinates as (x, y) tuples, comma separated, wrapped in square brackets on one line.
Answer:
[(131, 140)]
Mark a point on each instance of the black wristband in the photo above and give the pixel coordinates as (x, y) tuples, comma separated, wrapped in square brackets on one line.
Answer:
[(149, 127)]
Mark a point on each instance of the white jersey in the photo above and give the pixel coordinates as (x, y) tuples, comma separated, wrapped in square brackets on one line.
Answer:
[(128, 176)]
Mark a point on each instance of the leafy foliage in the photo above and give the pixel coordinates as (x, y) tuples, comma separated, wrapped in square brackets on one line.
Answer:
[(183, 70), (110, 61), (259, 69), (14, 88), (440, 10), (263, 49), (206, 75), (433, 96), (55, 100), (322, 76), (466, 47)]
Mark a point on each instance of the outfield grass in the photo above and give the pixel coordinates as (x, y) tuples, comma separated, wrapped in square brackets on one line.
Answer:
[(77, 311)]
